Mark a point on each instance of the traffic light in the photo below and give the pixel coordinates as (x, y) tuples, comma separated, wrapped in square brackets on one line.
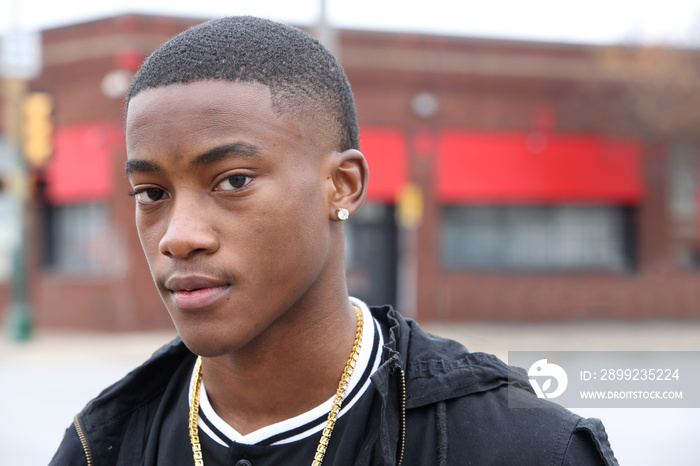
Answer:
[(37, 128)]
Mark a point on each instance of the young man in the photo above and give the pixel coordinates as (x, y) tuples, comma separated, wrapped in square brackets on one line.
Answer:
[(244, 159)]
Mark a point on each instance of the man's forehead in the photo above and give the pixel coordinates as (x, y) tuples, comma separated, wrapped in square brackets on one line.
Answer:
[(207, 94), (203, 105), (218, 103)]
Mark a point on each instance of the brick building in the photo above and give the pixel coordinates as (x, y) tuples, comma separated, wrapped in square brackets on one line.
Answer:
[(552, 186)]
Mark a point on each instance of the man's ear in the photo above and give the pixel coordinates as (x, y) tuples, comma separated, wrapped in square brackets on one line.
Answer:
[(349, 176)]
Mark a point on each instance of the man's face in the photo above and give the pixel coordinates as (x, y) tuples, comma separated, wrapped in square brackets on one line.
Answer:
[(232, 209)]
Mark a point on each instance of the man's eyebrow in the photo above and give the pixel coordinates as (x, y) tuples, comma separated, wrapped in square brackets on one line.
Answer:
[(235, 149), (136, 165)]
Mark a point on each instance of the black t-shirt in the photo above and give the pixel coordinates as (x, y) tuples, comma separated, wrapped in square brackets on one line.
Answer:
[(354, 432)]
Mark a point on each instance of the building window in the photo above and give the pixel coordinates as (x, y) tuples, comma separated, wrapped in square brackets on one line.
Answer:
[(78, 239), (537, 237)]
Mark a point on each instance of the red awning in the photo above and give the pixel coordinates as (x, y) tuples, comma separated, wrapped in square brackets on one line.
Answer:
[(385, 151), (80, 169), (536, 168)]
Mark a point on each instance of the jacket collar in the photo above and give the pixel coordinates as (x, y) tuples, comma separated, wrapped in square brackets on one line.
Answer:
[(438, 369)]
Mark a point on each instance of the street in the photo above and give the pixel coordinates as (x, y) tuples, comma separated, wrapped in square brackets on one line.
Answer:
[(48, 379)]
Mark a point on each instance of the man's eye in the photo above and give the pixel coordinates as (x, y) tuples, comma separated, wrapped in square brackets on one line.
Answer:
[(148, 195), (234, 182)]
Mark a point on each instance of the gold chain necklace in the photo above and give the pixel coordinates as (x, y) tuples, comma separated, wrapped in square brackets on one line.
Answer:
[(332, 415)]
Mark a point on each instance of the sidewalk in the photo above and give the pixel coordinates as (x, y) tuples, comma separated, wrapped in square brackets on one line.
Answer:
[(48, 379)]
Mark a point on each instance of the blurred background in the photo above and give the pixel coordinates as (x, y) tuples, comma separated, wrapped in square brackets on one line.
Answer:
[(534, 185)]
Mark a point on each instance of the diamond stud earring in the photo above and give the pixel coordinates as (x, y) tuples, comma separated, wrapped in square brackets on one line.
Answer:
[(342, 214)]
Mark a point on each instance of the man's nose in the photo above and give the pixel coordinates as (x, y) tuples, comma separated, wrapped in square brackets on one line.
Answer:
[(188, 232)]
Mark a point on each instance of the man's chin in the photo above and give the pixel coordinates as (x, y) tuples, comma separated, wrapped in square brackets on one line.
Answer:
[(209, 342)]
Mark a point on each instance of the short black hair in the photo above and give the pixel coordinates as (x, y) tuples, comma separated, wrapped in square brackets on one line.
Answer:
[(300, 72)]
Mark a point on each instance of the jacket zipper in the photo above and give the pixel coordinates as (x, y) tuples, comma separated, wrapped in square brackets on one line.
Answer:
[(402, 439), (83, 440)]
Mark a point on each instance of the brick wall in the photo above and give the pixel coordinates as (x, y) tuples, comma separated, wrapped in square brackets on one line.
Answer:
[(480, 84)]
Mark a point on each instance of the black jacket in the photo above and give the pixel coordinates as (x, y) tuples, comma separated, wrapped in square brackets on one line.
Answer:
[(438, 405)]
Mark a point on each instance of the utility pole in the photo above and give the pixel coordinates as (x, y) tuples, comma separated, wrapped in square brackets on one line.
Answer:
[(19, 62), (325, 32), (19, 317)]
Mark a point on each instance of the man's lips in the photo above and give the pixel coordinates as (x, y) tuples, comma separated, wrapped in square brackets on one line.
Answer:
[(194, 292)]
